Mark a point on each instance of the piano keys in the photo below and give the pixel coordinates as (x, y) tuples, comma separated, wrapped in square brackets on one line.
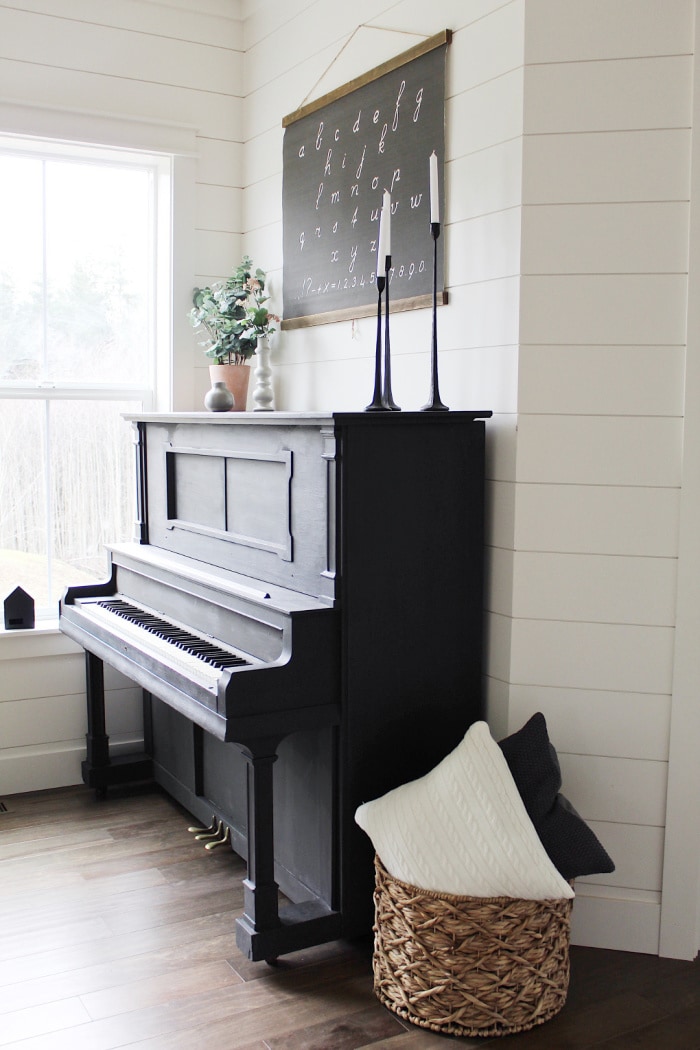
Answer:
[(301, 605)]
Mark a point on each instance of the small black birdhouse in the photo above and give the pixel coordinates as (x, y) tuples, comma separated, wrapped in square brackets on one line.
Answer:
[(19, 610)]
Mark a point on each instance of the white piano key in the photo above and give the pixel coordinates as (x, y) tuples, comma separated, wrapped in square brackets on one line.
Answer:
[(199, 670)]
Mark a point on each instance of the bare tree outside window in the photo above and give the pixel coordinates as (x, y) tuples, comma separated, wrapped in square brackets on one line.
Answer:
[(76, 351)]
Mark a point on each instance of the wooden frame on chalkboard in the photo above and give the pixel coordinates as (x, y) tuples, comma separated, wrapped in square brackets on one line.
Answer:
[(340, 153)]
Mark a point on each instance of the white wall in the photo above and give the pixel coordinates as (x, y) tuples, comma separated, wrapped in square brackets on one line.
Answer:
[(566, 228)]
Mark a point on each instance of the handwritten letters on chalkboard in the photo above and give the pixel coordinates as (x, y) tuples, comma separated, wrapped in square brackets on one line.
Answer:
[(340, 155)]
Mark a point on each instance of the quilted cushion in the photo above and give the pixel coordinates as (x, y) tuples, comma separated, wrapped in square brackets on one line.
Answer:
[(463, 828), (570, 844)]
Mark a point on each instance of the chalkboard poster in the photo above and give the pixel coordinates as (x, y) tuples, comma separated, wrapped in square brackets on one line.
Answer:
[(340, 154)]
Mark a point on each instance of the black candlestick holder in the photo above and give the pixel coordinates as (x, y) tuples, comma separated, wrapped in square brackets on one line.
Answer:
[(377, 403), (435, 404), (383, 400), (387, 396)]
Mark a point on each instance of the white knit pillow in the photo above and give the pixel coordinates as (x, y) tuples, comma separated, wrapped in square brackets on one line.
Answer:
[(463, 828)]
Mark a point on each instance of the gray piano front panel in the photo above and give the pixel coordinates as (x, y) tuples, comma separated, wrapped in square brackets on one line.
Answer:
[(253, 499)]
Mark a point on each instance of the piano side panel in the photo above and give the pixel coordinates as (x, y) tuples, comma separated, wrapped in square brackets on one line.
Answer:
[(412, 552)]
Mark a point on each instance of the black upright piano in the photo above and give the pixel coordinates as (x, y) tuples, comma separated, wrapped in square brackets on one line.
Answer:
[(302, 606)]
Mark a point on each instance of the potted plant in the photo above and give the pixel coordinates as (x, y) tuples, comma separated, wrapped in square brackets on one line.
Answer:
[(234, 318)]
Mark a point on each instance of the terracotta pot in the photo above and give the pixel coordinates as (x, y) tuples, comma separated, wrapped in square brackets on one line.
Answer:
[(236, 378)]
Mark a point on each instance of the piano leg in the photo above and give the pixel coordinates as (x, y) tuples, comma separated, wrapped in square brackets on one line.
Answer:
[(260, 890), (264, 931), (96, 739), (98, 769)]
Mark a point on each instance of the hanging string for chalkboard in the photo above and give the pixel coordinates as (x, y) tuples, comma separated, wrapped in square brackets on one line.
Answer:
[(363, 25)]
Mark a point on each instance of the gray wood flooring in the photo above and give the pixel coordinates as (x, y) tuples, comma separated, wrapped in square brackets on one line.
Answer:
[(116, 930)]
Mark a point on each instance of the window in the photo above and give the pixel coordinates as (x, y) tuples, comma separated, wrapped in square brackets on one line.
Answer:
[(83, 236)]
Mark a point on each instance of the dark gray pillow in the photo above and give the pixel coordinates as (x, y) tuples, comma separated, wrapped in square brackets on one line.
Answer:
[(571, 845)]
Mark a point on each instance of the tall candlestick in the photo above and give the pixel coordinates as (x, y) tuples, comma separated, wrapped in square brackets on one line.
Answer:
[(434, 189)]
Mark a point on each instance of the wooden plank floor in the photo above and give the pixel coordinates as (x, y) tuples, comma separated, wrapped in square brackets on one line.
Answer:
[(116, 930)]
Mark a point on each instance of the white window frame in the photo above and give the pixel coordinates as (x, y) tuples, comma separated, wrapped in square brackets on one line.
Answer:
[(41, 128), (156, 393)]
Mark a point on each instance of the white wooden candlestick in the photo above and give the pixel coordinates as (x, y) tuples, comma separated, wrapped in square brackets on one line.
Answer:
[(263, 395)]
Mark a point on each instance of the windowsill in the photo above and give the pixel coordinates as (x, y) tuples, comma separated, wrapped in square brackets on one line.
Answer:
[(47, 626), (43, 640)]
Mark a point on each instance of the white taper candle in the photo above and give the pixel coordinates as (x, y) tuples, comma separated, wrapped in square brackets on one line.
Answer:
[(434, 189)]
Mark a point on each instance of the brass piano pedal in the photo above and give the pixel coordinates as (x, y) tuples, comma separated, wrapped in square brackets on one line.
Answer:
[(209, 834), (219, 841), (212, 829)]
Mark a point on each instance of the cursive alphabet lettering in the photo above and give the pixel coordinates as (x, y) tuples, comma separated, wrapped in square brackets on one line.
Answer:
[(395, 123), (362, 163), (319, 136), (419, 103), (319, 194), (353, 257), (327, 169), (382, 137)]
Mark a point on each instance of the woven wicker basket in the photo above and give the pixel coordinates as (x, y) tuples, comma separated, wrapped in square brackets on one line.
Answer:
[(472, 966)]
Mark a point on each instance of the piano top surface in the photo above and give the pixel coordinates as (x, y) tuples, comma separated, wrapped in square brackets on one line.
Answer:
[(306, 418)]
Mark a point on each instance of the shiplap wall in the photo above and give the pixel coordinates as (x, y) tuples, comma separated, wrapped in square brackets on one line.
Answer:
[(130, 73), (608, 94), (566, 231), (42, 711)]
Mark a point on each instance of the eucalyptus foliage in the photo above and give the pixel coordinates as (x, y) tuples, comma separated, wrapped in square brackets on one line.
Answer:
[(233, 315)]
